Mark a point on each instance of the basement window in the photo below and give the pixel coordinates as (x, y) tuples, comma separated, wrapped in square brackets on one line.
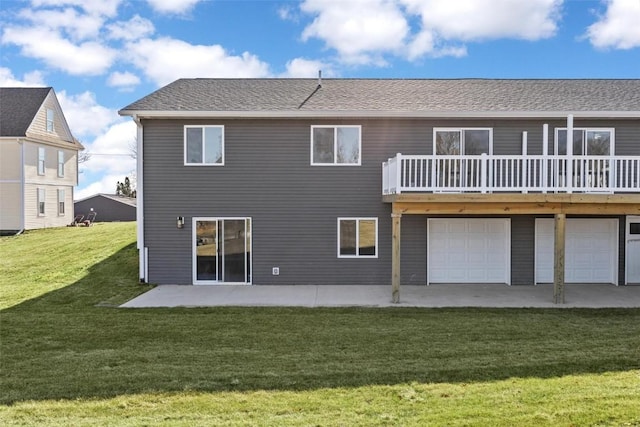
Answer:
[(357, 237)]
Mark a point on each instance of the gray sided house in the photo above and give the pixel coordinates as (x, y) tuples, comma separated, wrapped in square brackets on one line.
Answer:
[(389, 182), (108, 207)]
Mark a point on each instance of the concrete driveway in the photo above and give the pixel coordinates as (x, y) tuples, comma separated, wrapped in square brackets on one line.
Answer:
[(449, 295)]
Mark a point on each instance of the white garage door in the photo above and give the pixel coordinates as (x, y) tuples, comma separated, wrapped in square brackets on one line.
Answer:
[(469, 250), (591, 250)]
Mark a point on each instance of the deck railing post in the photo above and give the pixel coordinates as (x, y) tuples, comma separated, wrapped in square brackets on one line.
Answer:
[(545, 158), (569, 182), (399, 167), (484, 159), (524, 182)]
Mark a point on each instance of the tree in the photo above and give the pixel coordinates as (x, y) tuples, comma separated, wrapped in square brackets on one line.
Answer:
[(124, 188)]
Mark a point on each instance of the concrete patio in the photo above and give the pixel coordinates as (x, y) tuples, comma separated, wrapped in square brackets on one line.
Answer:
[(449, 295)]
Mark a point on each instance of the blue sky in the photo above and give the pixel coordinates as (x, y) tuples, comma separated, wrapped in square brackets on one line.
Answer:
[(101, 55)]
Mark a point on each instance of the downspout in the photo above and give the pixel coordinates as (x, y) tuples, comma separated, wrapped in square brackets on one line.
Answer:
[(142, 252)]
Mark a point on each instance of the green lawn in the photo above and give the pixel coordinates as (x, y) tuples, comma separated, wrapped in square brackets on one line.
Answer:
[(70, 357)]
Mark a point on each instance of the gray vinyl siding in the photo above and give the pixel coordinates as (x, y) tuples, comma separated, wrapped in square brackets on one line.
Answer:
[(294, 206)]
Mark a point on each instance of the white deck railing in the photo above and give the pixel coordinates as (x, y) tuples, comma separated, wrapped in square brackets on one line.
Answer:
[(515, 174)]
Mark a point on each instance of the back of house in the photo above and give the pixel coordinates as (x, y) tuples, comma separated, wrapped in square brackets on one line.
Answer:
[(380, 181)]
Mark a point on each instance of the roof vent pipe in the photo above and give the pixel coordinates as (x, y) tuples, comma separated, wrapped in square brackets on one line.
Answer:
[(319, 78)]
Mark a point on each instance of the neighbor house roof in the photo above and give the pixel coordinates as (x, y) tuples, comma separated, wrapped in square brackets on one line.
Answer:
[(18, 107), (378, 97), (131, 201)]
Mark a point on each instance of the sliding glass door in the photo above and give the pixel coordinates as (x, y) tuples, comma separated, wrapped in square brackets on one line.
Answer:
[(221, 250)]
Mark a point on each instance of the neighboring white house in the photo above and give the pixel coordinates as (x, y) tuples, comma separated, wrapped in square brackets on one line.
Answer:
[(38, 161)]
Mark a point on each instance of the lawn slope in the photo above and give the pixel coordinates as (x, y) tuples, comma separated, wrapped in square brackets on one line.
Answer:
[(70, 357)]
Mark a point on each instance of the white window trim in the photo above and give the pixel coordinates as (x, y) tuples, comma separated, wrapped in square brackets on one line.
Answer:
[(60, 164), (461, 130), (612, 148), (184, 142), (194, 250), (41, 200), (42, 161), (335, 145), (50, 123), (61, 192), (358, 219)]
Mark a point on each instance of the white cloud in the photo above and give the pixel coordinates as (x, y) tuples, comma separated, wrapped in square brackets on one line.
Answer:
[(78, 26), (133, 29), (360, 30), (89, 57), (487, 19), (173, 6), (165, 59), (85, 116), (124, 80), (94, 7), (111, 150), (31, 79), (619, 28), (365, 31), (306, 68)]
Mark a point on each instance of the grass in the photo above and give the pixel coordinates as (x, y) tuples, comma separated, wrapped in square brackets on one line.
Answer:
[(69, 357)]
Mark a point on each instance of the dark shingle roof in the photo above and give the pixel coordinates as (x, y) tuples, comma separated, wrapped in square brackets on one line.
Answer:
[(392, 95), (18, 107), (131, 201)]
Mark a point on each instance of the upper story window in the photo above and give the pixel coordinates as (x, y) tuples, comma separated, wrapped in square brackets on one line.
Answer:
[(462, 141), (357, 237), (41, 160), (336, 145), (50, 120), (586, 141), (60, 163), (204, 145)]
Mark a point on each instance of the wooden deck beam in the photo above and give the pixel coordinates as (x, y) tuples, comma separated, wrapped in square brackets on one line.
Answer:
[(558, 258), (395, 257)]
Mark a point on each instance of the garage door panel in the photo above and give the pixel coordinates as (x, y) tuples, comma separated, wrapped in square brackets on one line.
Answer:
[(474, 250), (591, 250)]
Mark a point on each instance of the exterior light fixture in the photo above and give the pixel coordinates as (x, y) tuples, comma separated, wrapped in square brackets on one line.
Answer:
[(180, 222)]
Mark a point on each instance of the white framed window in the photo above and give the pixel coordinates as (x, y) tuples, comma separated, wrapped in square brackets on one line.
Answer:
[(42, 155), (203, 145), (60, 202), (50, 120), (60, 163), (586, 141), (41, 201), (462, 141), (357, 237), (221, 250), (336, 145)]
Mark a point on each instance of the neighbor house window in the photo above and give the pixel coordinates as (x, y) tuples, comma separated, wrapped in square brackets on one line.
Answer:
[(357, 237), (60, 202), (41, 158), (586, 141), (50, 118), (41, 198), (60, 163), (204, 145), (335, 145), (462, 141)]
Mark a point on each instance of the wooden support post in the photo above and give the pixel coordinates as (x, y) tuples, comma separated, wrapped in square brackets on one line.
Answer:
[(395, 257), (558, 259)]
